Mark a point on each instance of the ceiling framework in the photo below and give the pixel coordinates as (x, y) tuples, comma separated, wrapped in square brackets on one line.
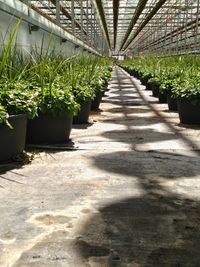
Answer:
[(172, 31), (130, 27), (78, 17), (137, 13)]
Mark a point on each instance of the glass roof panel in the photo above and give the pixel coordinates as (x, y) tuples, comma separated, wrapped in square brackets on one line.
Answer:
[(126, 25)]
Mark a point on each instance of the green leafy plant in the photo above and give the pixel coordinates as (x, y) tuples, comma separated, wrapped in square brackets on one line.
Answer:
[(4, 116), (59, 102), (15, 94), (187, 87), (18, 98), (83, 93)]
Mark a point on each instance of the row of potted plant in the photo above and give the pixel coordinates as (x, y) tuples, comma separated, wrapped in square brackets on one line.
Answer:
[(174, 80), (42, 93)]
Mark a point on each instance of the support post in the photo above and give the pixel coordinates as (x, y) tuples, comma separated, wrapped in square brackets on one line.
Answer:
[(87, 22), (197, 27), (186, 22), (73, 17), (81, 6), (58, 12), (177, 33)]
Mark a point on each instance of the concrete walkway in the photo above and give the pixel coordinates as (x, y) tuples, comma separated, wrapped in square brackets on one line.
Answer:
[(127, 196)]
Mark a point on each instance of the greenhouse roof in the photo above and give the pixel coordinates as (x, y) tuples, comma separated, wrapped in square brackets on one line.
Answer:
[(123, 24)]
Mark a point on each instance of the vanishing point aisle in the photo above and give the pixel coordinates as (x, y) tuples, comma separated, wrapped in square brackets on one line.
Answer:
[(126, 196)]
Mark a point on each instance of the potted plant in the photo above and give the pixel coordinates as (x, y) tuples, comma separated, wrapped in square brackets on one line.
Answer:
[(56, 103), (106, 78), (188, 99), (56, 108), (96, 84), (145, 76), (166, 88), (99, 80), (83, 96), (155, 84), (17, 102), (77, 73)]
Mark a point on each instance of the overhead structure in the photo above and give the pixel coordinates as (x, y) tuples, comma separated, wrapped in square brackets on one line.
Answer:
[(127, 27), (78, 17)]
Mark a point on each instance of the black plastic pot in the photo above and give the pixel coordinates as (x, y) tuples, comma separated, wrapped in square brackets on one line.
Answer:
[(155, 90), (137, 75), (131, 72), (189, 113), (105, 89), (96, 101), (148, 86), (162, 97), (144, 80), (83, 114), (172, 103), (49, 129), (104, 93), (12, 141)]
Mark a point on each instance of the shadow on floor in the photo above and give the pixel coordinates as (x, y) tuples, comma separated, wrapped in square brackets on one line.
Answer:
[(11, 166), (82, 126), (157, 228), (16, 162)]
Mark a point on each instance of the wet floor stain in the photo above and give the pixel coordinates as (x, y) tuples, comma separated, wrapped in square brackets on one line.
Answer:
[(58, 250), (85, 211), (7, 238), (49, 219)]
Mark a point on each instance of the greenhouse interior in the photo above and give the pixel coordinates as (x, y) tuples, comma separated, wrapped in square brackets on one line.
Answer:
[(99, 133)]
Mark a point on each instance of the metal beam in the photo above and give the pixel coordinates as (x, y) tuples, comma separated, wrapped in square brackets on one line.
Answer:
[(103, 19), (134, 19), (176, 31), (58, 12), (115, 19), (68, 15), (81, 6), (148, 18)]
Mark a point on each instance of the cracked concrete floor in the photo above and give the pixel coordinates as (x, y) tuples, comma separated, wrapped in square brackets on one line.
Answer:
[(128, 196)]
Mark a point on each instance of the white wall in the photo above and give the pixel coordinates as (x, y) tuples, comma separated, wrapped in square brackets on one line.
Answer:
[(26, 40)]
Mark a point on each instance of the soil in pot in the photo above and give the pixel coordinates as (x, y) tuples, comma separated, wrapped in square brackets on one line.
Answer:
[(49, 129), (12, 141), (172, 103), (189, 113), (83, 114), (96, 101)]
